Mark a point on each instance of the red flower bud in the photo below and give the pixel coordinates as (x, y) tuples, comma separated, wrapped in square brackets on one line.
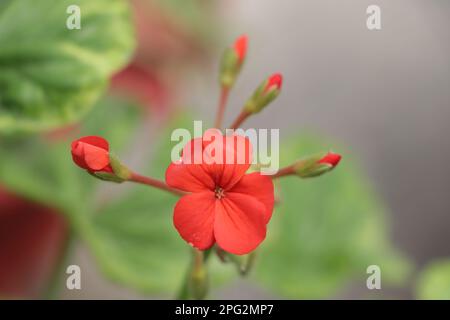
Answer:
[(331, 159), (232, 61), (316, 165), (266, 92), (275, 81), (92, 153), (240, 47)]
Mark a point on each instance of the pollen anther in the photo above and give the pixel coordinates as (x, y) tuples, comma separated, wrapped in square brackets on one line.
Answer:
[(219, 192)]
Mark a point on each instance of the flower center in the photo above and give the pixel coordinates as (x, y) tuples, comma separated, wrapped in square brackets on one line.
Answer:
[(219, 193)]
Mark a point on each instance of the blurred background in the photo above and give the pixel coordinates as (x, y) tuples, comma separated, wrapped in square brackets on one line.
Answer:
[(382, 97)]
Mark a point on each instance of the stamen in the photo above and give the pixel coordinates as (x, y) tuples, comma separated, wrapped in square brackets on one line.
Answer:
[(219, 192)]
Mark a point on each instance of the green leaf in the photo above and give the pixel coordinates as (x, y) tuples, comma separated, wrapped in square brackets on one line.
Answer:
[(42, 169), (194, 17), (434, 281), (50, 75), (326, 231), (136, 243)]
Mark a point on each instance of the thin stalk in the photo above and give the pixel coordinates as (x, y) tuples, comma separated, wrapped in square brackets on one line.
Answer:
[(240, 119), (154, 183), (183, 293), (286, 171), (221, 108)]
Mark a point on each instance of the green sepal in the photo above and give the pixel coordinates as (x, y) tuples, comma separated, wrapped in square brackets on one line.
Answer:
[(260, 99), (120, 170), (106, 176), (229, 68), (244, 263)]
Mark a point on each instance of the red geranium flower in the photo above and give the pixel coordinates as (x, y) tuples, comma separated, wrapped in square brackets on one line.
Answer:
[(91, 153), (225, 205)]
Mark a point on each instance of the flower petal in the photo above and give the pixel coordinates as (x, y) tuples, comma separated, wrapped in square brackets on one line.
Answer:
[(258, 186), (96, 141), (91, 153), (239, 225), (227, 158), (78, 154), (241, 153), (188, 173), (211, 161), (96, 158), (194, 219), (188, 177)]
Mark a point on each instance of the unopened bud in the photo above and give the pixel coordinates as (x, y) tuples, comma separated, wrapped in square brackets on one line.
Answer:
[(232, 61), (92, 154), (316, 165), (264, 94)]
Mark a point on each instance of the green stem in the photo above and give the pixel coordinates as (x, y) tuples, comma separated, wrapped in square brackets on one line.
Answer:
[(183, 293)]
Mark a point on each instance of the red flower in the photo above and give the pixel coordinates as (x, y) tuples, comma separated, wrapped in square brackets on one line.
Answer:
[(331, 159), (91, 153), (225, 205), (240, 47)]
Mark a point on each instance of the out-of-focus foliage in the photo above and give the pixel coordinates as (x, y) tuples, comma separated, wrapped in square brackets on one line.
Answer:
[(434, 281), (41, 168), (50, 75), (325, 231), (192, 14)]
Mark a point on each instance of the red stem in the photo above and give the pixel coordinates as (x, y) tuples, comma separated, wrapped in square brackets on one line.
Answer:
[(240, 119), (221, 109), (154, 183), (286, 171)]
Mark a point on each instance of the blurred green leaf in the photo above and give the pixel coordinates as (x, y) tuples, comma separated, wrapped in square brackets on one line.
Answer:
[(434, 281), (193, 17), (50, 75), (42, 169), (325, 232), (131, 237), (135, 243)]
